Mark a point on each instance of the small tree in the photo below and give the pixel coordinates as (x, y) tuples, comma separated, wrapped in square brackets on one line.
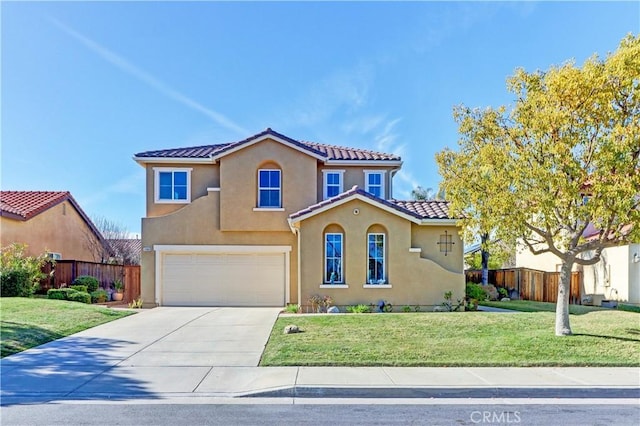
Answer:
[(564, 159), (19, 273), (108, 249)]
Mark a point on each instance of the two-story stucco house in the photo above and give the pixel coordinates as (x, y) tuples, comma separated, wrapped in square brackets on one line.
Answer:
[(270, 220)]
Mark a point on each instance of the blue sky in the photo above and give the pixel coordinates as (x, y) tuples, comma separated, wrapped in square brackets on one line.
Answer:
[(86, 85)]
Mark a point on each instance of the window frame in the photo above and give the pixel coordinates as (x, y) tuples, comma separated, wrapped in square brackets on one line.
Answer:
[(384, 258), (367, 186), (157, 171), (327, 280), (279, 188), (325, 182)]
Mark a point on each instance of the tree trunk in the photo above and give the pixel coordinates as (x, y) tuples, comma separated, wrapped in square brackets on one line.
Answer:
[(484, 255), (563, 328)]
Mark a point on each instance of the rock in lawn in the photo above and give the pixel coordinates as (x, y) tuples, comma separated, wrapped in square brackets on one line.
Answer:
[(333, 310), (290, 329), (505, 299)]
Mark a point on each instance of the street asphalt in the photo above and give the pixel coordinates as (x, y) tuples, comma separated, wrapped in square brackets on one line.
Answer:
[(166, 353)]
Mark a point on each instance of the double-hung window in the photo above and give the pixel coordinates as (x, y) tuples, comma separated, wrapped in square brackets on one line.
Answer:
[(374, 183), (172, 185), (332, 183), (333, 259), (269, 188), (376, 259)]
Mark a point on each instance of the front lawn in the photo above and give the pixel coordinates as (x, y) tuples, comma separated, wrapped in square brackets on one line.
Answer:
[(26, 323), (601, 338), (531, 306)]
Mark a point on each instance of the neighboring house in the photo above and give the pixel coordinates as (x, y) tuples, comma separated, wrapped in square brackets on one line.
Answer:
[(48, 221), (126, 250), (271, 220), (615, 277)]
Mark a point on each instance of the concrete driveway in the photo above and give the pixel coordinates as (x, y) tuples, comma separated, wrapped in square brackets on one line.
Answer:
[(166, 349)]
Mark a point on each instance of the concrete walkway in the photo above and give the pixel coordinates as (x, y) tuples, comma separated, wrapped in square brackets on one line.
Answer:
[(214, 352)]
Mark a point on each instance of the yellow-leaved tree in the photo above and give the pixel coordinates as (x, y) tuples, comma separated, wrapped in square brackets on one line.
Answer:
[(564, 158)]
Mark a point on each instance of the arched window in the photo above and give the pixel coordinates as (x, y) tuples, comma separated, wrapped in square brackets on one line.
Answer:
[(376, 255), (333, 255)]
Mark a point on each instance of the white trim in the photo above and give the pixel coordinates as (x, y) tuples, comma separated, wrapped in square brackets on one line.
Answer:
[(363, 163), (415, 250), (368, 200), (325, 172), (268, 209), (156, 184), (383, 178), (377, 286), (162, 249), (213, 189), (268, 188), (172, 160), (333, 286), (262, 138)]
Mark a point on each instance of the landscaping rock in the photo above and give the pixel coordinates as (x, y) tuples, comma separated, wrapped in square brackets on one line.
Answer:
[(333, 310), (505, 299), (292, 328)]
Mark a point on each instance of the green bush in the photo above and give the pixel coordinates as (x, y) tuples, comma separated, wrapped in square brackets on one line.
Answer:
[(16, 283), (99, 296), (406, 309), (628, 308), (57, 294), (77, 296), (87, 280), (80, 288), (475, 291), (359, 309)]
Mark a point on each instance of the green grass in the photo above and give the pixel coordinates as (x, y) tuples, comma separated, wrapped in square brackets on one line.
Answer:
[(531, 306), (601, 338), (26, 323)]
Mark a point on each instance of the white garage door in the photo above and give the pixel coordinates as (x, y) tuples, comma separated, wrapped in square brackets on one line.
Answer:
[(201, 279)]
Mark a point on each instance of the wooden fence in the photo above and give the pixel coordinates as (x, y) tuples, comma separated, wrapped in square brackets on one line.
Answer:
[(65, 271), (531, 284)]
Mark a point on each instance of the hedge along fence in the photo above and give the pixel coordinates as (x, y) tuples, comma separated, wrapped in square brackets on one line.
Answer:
[(65, 271), (531, 284)]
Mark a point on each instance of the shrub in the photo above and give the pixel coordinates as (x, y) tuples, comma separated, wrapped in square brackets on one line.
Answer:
[(57, 294), (16, 283), (292, 308), (136, 304), (359, 309), (87, 280), (80, 288), (628, 308), (406, 308), (77, 296), (475, 291), (99, 296), (503, 292)]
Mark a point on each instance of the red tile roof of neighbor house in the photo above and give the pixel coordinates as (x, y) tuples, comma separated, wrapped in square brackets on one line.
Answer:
[(419, 209), (27, 204), (328, 152)]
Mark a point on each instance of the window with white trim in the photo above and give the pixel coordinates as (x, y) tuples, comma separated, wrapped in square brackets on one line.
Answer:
[(376, 259), (333, 183), (374, 183), (269, 188), (172, 185), (333, 258)]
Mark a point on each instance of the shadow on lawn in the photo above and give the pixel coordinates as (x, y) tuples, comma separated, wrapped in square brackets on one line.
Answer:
[(78, 368), (622, 339)]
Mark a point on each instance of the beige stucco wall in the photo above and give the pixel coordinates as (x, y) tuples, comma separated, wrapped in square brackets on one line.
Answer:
[(198, 224), (239, 180), (616, 275), (354, 176), (415, 279), (59, 229)]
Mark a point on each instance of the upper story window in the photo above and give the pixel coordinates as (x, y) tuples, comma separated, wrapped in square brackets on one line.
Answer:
[(172, 185), (333, 183), (374, 183), (269, 188)]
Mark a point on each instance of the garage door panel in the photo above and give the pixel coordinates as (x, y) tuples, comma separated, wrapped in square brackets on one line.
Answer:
[(247, 279)]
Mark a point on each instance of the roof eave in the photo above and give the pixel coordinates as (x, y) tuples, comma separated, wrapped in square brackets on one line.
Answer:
[(390, 163), (266, 136), (172, 160)]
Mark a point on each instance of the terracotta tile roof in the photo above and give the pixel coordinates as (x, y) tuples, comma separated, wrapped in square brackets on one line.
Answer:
[(329, 152), (26, 204), (431, 209), (417, 209)]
